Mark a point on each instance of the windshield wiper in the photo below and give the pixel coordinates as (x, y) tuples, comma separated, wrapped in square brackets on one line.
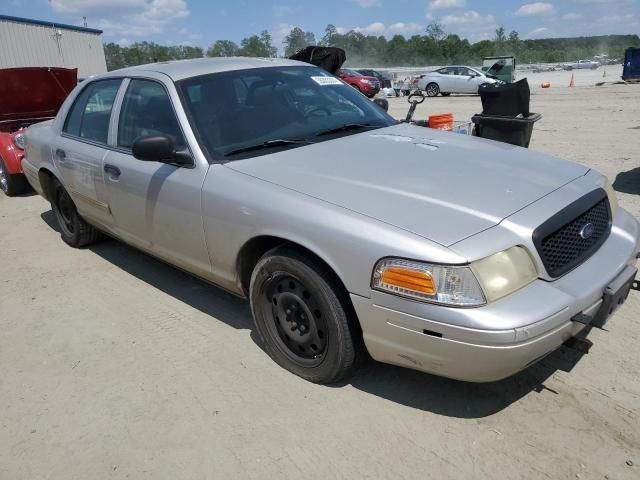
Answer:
[(280, 142), (348, 127)]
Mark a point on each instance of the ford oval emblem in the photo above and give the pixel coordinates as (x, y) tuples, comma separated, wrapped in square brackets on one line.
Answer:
[(587, 231)]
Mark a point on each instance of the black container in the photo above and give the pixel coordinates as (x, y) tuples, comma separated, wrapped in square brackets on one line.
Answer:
[(510, 99), (513, 130), (327, 58)]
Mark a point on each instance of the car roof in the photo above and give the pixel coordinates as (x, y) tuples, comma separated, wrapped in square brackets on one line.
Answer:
[(181, 69)]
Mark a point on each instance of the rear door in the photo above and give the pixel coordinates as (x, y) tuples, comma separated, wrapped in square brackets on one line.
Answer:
[(82, 145), (446, 80), (156, 206)]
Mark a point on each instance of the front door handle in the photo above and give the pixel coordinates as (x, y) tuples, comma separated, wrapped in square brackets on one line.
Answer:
[(61, 155), (112, 170)]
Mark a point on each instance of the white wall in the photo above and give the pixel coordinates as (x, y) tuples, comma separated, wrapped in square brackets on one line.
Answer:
[(27, 45)]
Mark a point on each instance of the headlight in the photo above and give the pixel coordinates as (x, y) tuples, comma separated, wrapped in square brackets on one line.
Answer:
[(611, 193), (504, 272), (18, 140), (482, 281), (449, 285)]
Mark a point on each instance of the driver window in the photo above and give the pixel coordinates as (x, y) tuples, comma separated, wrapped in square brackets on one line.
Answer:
[(147, 110)]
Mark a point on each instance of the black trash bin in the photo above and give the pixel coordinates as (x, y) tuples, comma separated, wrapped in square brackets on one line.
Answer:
[(505, 113), (513, 130)]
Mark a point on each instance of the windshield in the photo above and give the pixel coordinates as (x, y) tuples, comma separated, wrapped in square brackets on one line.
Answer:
[(246, 113)]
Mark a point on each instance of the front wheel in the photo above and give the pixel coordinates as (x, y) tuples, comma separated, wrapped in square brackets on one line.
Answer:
[(302, 318), (73, 229), (11, 184), (433, 90)]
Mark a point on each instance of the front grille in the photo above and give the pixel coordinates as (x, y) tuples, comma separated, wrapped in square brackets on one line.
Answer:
[(561, 241)]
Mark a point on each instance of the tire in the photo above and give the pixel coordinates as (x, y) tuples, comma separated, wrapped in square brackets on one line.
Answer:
[(73, 229), (303, 319), (445, 94), (432, 89), (12, 184)]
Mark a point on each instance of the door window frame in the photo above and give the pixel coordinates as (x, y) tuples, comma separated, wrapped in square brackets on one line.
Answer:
[(115, 119), (68, 113)]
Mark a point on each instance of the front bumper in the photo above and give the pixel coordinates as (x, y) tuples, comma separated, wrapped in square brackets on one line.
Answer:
[(368, 89), (499, 339)]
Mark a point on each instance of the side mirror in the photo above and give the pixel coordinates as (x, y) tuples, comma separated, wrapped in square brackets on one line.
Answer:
[(383, 103), (159, 148)]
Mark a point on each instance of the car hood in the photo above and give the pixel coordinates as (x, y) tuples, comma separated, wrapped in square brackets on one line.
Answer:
[(34, 92), (440, 185)]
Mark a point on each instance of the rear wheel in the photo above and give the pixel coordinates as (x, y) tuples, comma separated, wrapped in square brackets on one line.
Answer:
[(302, 317), (433, 90), (73, 229), (11, 184)]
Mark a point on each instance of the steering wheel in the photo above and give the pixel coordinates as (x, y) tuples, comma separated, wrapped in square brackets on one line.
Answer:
[(319, 108)]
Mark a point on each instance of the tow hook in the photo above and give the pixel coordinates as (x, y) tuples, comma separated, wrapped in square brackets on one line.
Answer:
[(581, 345)]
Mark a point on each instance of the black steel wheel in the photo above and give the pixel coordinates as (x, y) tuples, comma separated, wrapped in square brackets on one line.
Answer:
[(302, 318), (298, 325), (74, 230)]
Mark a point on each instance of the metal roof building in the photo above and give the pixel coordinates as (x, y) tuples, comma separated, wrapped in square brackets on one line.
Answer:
[(35, 43)]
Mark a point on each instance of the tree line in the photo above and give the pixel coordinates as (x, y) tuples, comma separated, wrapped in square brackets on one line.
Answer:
[(434, 47)]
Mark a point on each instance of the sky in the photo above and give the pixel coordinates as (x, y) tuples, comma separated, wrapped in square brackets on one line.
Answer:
[(201, 22)]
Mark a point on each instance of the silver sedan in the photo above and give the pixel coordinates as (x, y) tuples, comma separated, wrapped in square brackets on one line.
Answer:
[(347, 232), (454, 79)]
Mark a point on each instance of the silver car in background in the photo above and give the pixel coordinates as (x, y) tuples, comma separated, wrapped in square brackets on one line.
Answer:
[(581, 65), (453, 79), (348, 232)]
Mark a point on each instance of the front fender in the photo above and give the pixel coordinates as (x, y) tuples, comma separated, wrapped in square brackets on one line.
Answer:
[(11, 155)]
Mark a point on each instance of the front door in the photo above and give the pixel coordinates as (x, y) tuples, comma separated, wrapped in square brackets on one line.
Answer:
[(155, 206), (467, 80), (79, 151)]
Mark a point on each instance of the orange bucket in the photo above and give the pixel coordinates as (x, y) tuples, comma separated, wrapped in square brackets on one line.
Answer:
[(443, 121)]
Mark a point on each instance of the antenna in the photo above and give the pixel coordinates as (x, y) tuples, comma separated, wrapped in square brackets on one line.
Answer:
[(84, 21)]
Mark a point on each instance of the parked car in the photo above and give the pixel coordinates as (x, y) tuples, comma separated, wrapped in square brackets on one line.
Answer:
[(385, 81), (581, 64), (454, 79), (27, 95), (346, 230), (366, 85)]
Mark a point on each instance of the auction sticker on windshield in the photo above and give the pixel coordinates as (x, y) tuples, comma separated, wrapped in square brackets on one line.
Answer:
[(327, 81)]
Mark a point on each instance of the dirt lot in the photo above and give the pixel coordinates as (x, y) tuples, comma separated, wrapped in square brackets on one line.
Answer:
[(114, 365)]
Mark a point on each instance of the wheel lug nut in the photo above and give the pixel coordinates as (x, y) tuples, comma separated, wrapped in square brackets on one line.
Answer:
[(288, 311)]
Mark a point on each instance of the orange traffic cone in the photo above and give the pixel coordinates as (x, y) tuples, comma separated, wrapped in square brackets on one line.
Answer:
[(572, 83)]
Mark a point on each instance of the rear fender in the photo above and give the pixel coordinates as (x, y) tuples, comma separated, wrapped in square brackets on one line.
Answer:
[(11, 155)]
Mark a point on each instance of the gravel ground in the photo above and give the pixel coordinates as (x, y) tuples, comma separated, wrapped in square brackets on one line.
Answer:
[(114, 365)]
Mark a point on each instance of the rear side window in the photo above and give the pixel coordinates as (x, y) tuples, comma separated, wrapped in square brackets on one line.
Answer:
[(147, 110), (90, 113)]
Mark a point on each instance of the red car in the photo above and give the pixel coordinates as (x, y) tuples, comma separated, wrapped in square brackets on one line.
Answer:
[(27, 96), (367, 85)]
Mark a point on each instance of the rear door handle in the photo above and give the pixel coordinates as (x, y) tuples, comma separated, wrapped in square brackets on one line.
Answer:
[(61, 155), (112, 170)]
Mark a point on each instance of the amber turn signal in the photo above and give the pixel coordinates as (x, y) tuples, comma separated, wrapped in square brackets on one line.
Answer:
[(416, 280)]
